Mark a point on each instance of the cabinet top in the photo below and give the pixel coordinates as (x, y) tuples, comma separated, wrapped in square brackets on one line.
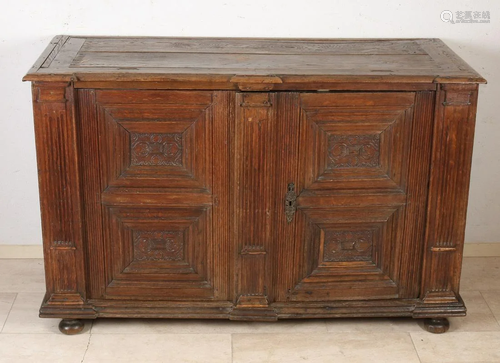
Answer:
[(212, 61)]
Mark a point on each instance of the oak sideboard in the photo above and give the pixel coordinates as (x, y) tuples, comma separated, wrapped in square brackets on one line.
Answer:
[(252, 179)]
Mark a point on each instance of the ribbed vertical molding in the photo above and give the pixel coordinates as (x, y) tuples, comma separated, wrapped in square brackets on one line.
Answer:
[(454, 123), (91, 179), (254, 212), (287, 136), (60, 201), (416, 191), (223, 118)]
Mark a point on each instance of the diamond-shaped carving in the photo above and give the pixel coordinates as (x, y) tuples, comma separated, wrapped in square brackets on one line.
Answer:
[(156, 149), (158, 245), (350, 151), (348, 245)]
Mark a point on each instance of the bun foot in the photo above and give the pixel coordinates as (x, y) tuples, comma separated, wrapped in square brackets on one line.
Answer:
[(71, 326), (437, 326)]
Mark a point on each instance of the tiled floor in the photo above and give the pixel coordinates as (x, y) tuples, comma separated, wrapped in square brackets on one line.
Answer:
[(26, 338)]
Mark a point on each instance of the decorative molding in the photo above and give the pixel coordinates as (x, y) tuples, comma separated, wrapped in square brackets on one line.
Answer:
[(63, 245), (253, 250), (444, 247)]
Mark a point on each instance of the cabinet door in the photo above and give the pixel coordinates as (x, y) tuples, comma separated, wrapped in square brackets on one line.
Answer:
[(156, 179), (362, 173)]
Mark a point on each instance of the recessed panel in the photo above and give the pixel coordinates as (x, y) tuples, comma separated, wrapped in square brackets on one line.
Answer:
[(150, 143), (166, 249), (347, 253), (355, 141)]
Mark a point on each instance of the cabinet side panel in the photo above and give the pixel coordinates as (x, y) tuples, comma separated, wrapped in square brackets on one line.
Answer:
[(60, 200), (448, 192)]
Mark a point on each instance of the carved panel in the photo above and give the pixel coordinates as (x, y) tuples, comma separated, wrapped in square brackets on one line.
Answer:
[(160, 140), (156, 149), (159, 245), (348, 151), (348, 246), (355, 141), (346, 252), (158, 252)]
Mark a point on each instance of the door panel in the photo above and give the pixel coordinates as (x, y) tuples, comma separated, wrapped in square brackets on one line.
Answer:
[(162, 166), (155, 144), (155, 252), (159, 213), (347, 253), (360, 190), (355, 141)]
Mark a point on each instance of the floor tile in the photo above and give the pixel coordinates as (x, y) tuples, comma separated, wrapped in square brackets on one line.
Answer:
[(493, 300), (23, 317), (40, 348), (6, 301), (480, 273), (479, 316), (374, 325), (22, 275), (155, 326), (318, 348), (206, 348), (466, 347)]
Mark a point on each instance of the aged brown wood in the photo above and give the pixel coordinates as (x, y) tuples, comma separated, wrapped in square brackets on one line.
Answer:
[(60, 201), (71, 326), (218, 60), (454, 122), (252, 179), (437, 326)]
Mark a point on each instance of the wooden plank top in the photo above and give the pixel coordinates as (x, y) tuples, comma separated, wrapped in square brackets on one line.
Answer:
[(223, 60)]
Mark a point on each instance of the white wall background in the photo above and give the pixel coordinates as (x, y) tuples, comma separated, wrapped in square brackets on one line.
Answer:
[(26, 27)]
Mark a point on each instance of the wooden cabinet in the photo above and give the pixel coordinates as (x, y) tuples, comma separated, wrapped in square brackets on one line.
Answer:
[(252, 179)]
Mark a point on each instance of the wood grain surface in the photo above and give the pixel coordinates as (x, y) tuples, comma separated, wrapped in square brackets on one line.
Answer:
[(202, 61), (253, 179)]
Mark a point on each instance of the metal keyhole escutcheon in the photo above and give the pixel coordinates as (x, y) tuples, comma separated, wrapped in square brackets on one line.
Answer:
[(290, 202)]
